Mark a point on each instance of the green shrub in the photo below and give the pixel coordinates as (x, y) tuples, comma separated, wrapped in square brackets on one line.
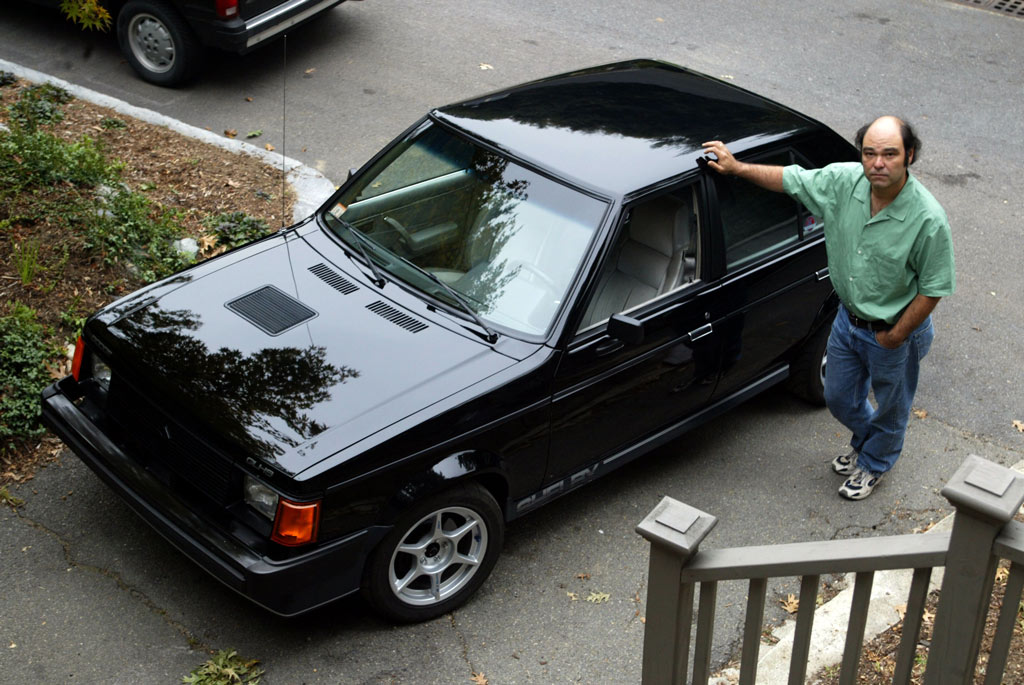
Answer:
[(24, 354), (40, 159), (38, 104), (236, 228), (129, 230)]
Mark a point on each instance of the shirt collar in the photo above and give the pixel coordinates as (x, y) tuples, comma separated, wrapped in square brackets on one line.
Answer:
[(897, 209)]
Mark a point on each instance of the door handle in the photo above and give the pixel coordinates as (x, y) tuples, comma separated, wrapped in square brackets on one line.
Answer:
[(609, 346), (822, 274), (698, 333)]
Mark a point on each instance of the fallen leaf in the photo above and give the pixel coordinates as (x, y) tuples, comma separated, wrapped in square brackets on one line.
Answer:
[(230, 132), (791, 604), (249, 99), (479, 679), (583, 576), (660, 20), (254, 134), (485, 67), (1019, 425), (269, 147), (573, 596), (921, 413), (229, 182), (1002, 573), (598, 597), (901, 609), (308, 72)]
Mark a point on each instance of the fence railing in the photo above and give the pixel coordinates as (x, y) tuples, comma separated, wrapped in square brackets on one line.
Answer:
[(985, 495)]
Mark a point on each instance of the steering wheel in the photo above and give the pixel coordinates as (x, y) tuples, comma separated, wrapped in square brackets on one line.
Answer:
[(403, 235)]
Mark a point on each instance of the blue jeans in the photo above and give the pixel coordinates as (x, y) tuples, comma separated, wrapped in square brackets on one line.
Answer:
[(856, 364)]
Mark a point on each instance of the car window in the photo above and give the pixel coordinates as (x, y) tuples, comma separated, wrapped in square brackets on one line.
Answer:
[(505, 238), (656, 252), (756, 222)]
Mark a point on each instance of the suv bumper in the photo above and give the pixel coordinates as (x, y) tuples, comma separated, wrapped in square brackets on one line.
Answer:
[(285, 587), (242, 35)]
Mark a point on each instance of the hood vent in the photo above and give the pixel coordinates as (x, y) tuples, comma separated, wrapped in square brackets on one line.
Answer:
[(396, 317), (271, 310), (333, 279)]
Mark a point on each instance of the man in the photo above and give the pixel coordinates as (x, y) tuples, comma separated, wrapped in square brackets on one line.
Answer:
[(890, 258)]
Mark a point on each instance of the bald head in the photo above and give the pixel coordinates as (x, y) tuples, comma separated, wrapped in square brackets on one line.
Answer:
[(887, 125)]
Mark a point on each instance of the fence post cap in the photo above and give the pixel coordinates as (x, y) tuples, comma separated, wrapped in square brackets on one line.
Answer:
[(986, 488), (676, 525)]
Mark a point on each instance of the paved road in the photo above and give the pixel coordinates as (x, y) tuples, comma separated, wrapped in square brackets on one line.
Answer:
[(83, 579)]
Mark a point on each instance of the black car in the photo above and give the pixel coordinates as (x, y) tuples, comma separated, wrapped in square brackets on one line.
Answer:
[(165, 40), (522, 293)]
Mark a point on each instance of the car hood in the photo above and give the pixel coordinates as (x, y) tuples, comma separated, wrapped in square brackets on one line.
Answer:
[(272, 346)]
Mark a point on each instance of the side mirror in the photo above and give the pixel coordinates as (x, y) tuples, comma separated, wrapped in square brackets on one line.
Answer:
[(626, 328)]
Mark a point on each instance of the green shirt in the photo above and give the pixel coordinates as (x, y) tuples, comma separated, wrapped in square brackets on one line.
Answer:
[(877, 264)]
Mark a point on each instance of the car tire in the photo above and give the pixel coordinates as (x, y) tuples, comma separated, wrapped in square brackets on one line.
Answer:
[(157, 42), (807, 372), (437, 555)]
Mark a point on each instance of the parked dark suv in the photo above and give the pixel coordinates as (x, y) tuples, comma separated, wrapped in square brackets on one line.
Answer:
[(165, 40), (522, 293)]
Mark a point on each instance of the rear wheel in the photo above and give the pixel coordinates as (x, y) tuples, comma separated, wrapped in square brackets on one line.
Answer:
[(436, 556), (157, 42), (807, 373)]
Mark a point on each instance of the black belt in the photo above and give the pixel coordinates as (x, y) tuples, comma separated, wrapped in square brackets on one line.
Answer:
[(873, 326)]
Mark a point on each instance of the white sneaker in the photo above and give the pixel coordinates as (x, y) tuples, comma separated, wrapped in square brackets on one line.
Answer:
[(859, 485), (845, 464)]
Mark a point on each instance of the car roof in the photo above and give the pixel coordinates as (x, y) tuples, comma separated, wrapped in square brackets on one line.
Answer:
[(622, 127)]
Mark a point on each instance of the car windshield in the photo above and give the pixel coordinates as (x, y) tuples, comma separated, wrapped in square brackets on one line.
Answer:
[(506, 239)]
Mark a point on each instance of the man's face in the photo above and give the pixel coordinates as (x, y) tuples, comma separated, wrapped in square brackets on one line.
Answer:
[(883, 157)]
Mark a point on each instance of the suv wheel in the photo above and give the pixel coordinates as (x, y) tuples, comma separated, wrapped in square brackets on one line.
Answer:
[(807, 373), (436, 556), (157, 42)]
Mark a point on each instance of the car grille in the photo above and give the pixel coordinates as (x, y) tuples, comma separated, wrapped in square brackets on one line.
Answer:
[(171, 452)]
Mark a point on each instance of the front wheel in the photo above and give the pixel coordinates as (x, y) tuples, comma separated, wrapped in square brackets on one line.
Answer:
[(436, 556), (157, 42), (807, 372)]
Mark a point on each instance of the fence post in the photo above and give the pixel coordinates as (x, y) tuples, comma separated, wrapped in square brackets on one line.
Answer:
[(986, 496), (675, 530)]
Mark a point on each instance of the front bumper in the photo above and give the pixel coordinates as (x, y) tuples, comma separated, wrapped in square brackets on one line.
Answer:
[(285, 587)]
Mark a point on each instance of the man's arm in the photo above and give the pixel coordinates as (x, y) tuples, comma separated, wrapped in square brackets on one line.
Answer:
[(764, 175), (915, 313)]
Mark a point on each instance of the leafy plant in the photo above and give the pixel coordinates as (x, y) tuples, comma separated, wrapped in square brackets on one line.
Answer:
[(131, 230), (90, 14), (38, 158), (232, 229), (225, 668), (112, 123), (24, 353), (38, 104)]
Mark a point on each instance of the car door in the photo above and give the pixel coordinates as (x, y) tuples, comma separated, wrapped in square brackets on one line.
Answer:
[(610, 395), (770, 259)]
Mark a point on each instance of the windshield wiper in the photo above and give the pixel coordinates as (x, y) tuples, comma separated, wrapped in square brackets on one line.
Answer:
[(378, 278), (490, 335)]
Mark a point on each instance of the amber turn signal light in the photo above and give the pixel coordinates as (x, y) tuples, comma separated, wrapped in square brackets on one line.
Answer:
[(296, 523)]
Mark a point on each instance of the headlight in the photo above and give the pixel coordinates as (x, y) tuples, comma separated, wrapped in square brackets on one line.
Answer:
[(260, 497), (100, 372)]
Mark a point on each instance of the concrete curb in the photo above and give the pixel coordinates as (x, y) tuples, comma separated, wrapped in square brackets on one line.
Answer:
[(311, 187), (889, 593)]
